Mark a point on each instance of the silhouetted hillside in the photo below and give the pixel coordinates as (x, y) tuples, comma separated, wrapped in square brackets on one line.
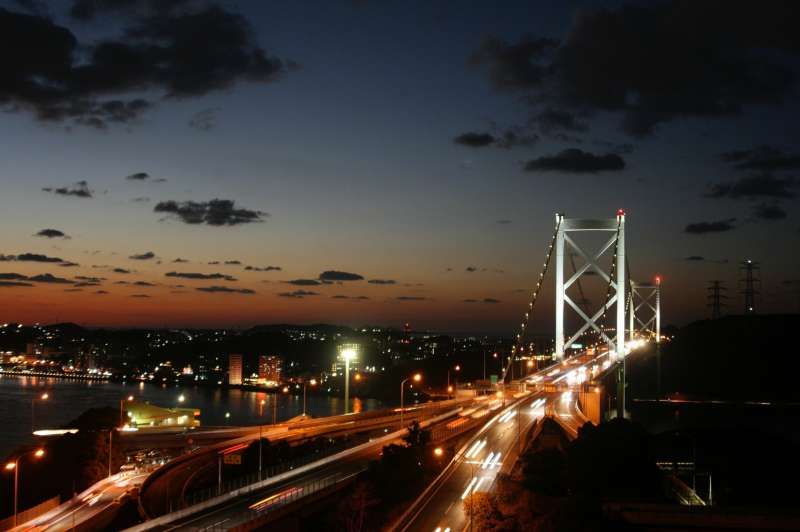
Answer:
[(736, 357)]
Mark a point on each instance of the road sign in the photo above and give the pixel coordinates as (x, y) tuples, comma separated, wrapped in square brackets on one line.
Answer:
[(232, 459), (493, 379)]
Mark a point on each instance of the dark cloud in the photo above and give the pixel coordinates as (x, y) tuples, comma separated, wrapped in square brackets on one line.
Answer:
[(143, 283), (225, 290), (653, 63), (10, 284), (68, 264), (410, 298), (120, 270), (298, 294), (179, 260), (51, 233), (719, 226), (84, 283), (769, 211), (574, 160), (73, 290), (763, 159), (486, 300), (49, 278), (13, 277), (194, 275), (304, 282), (216, 212), (233, 262), (138, 176), (763, 185), (470, 269), (382, 281), (507, 139), (141, 296), (101, 292), (351, 298), (89, 279), (147, 255), (86, 10), (79, 190), (695, 258), (474, 140), (204, 120), (58, 78), (36, 257), (334, 275), (213, 262), (263, 268)]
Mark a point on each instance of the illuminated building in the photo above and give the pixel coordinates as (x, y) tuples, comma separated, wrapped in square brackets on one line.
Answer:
[(235, 369), (269, 370)]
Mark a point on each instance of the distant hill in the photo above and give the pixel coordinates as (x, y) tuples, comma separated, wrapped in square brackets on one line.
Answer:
[(735, 357)]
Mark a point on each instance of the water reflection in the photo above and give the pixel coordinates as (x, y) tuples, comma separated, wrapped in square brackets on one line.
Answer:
[(68, 399)]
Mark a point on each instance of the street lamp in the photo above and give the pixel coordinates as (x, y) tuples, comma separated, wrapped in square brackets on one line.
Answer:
[(121, 415), (260, 428), (416, 378), (44, 397), (347, 355), (456, 368), (181, 398), (312, 382), (14, 466)]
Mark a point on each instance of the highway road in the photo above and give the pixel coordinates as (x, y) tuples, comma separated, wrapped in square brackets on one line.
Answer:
[(475, 466), (164, 491), (88, 505)]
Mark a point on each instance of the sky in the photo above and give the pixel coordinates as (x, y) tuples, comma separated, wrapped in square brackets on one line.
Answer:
[(184, 163)]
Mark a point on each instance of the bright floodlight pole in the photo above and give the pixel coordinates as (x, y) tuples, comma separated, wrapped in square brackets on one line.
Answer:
[(347, 354), (417, 377)]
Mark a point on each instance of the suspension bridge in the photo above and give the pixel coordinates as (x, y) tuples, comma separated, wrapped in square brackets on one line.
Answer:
[(590, 347)]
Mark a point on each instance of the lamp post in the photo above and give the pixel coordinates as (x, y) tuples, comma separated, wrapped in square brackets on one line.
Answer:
[(456, 368), (14, 466), (313, 382), (121, 415), (260, 426), (416, 378), (347, 354), (42, 397)]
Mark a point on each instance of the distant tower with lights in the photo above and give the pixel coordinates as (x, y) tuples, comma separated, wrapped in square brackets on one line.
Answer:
[(715, 298), (749, 284)]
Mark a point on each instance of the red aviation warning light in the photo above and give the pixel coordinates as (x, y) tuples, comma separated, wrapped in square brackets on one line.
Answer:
[(620, 212)]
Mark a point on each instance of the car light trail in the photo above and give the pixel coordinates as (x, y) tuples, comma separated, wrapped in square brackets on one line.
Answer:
[(487, 461), (469, 487)]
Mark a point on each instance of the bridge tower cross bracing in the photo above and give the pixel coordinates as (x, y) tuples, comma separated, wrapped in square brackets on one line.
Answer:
[(646, 295), (565, 227)]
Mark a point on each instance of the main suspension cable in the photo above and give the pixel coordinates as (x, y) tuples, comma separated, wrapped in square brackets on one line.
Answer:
[(518, 343)]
